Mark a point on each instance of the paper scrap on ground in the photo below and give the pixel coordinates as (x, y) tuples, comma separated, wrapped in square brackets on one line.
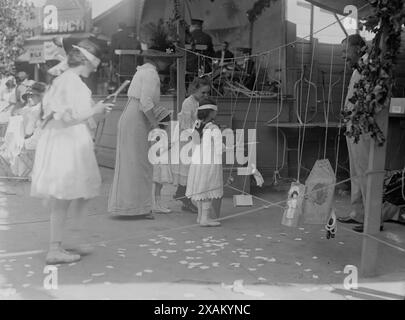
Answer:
[(98, 274)]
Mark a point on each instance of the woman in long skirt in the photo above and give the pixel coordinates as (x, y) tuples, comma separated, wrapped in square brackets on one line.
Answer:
[(65, 169), (131, 192)]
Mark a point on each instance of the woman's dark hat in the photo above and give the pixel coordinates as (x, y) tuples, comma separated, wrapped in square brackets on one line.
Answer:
[(245, 50), (197, 22), (158, 52)]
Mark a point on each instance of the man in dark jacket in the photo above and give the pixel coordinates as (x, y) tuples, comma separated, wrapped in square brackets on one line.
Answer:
[(124, 39), (224, 55), (203, 43)]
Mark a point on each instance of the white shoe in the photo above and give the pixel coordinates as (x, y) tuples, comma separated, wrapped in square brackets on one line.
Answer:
[(161, 209), (83, 249), (209, 223), (61, 256)]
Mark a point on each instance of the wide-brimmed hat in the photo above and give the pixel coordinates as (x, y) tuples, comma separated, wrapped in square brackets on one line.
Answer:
[(244, 50), (90, 50), (37, 88)]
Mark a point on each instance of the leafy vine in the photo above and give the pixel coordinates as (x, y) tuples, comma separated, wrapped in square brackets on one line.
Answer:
[(372, 93)]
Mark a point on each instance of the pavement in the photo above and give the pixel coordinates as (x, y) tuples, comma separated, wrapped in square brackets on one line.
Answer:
[(251, 256)]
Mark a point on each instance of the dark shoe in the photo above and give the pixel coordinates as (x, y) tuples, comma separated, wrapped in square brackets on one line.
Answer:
[(360, 228), (149, 216), (190, 208), (347, 220)]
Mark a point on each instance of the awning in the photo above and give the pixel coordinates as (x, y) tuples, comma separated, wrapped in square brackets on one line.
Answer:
[(49, 37), (335, 6)]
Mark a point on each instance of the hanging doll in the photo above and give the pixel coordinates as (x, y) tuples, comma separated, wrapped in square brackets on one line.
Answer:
[(294, 206)]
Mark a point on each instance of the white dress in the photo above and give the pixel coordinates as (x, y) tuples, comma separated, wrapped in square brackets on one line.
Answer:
[(65, 165), (205, 181), (187, 118)]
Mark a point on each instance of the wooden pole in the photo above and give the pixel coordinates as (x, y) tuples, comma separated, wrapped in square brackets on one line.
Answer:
[(181, 62), (36, 72), (374, 195)]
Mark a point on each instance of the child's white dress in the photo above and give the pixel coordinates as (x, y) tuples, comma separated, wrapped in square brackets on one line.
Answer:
[(162, 173), (205, 181), (65, 165)]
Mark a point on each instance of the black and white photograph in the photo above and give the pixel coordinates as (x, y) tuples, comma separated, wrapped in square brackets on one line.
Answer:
[(203, 156)]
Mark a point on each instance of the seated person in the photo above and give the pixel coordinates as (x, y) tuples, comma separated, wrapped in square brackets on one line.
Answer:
[(7, 101), (247, 67), (191, 69), (32, 112), (224, 55)]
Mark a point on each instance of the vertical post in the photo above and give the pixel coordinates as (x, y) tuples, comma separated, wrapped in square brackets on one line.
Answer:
[(374, 195), (181, 62), (373, 207), (311, 31), (36, 72)]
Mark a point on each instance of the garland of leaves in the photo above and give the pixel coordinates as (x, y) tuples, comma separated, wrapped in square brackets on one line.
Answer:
[(258, 7), (373, 92)]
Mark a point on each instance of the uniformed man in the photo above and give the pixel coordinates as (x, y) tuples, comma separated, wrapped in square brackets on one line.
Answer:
[(200, 38), (247, 66)]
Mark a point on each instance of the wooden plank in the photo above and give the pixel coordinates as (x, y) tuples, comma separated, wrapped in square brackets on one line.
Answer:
[(181, 63)]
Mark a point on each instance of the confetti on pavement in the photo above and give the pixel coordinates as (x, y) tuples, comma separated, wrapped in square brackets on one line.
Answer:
[(98, 274)]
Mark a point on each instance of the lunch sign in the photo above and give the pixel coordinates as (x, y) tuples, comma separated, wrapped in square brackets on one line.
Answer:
[(60, 17)]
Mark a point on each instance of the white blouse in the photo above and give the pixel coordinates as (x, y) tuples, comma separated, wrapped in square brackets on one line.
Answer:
[(188, 115), (68, 95), (145, 86)]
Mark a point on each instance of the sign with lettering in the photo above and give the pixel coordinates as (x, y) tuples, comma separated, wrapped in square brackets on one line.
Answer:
[(63, 20), (36, 54)]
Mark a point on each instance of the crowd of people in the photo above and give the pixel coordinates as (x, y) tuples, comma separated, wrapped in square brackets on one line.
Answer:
[(57, 124), (56, 119)]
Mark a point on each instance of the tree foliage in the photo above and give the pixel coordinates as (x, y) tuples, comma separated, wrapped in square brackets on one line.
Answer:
[(13, 33)]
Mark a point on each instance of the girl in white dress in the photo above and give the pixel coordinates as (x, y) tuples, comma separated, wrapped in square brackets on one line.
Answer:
[(199, 90), (65, 168), (205, 178), (162, 173)]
